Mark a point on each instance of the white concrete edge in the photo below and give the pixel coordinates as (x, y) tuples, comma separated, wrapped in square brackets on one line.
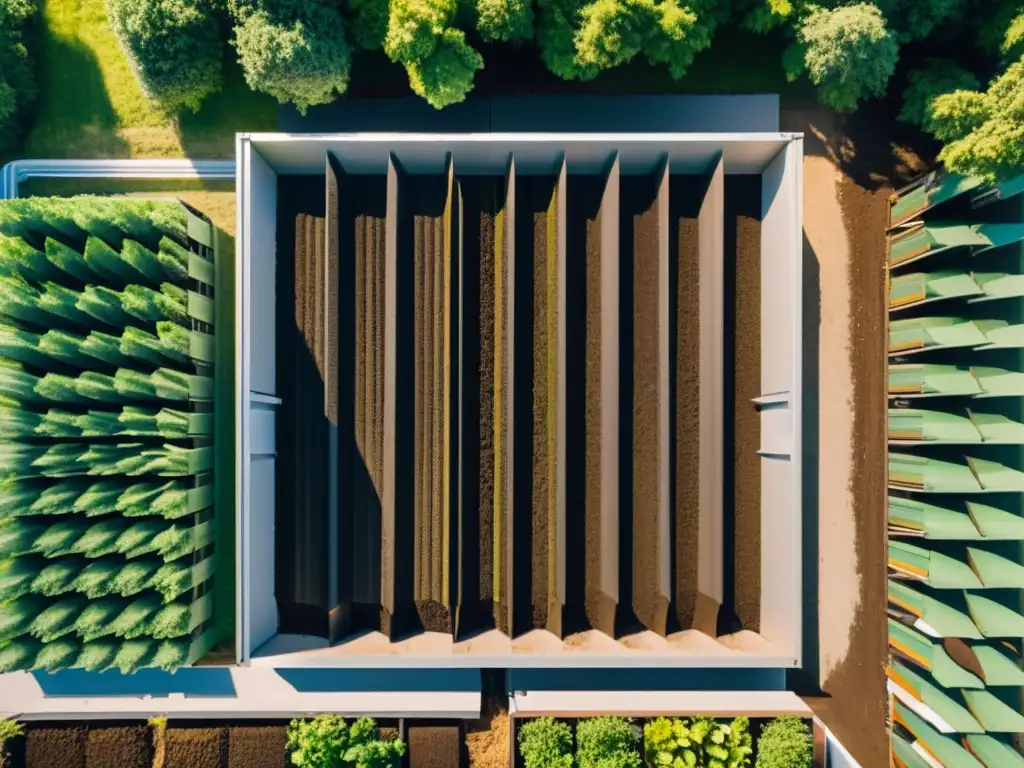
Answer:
[(241, 404), (18, 171), (841, 760), (259, 693), (426, 138)]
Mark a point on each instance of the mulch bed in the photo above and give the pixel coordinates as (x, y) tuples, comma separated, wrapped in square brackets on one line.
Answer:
[(257, 747), (196, 747), (119, 747), (684, 200), (743, 259), (55, 747), (434, 746)]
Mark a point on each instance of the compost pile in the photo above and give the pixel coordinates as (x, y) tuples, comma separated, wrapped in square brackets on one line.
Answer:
[(106, 353)]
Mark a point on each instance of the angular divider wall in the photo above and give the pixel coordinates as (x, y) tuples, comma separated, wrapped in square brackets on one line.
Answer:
[(601, 475)]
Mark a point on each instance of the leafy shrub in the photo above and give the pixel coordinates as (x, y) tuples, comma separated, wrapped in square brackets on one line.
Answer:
[(701, 742), (916, 19), (939, 76), (505, 20), (174, 47), (327, 741), (847, 52), (982, 130), (607, 742), (785, 743), (545, 743), (9, 730), (295, 51)]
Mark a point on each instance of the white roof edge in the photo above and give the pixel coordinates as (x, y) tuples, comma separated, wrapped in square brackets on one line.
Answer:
[(653, 703), (528, 661), (276, 137), (259, 693)]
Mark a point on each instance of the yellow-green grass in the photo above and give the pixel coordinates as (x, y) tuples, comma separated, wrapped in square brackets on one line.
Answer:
[(90, 104)]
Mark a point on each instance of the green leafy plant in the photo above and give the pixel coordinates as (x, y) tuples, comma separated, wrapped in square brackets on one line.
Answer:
[(786, 742), (9, 730), (607, 742), (700, 742), (327, 741), (545, 743)]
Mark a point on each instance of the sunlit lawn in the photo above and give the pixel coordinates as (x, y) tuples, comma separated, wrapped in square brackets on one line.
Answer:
[(91, 106)]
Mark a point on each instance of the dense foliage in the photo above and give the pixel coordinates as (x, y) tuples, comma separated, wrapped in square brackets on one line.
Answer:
[(847, 52), (174, 47), (785, 743), (295, 50), (699, 742), (17, 78), (327, 741), (546, 743), (607, 742)]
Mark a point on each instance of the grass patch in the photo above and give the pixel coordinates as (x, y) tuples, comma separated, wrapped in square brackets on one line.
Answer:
[(91, 106)]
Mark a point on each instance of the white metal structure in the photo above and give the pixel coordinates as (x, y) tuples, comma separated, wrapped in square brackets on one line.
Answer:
[(777, 158), (12, 174)]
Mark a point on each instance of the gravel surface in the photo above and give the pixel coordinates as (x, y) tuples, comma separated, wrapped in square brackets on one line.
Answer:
[(119, 747), (55, 747), (685, 194), (257, 747), (743, 257), (434, 746), (196, 747)]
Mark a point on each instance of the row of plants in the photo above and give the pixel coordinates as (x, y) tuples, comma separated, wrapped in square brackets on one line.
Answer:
[(696, 742), (328, 741), (301, 51), (106, 523)]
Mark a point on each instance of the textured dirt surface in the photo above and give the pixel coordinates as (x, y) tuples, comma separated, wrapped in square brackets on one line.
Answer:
[(844, 219), (430, 298), (487, 742), (196, 747), (55, 747), (685, 195), (119, 747), (640, 230), (743, 258), (257, 747), (434, 746)]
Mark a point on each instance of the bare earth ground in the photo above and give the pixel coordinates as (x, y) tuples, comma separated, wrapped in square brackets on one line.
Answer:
[(848, 173)]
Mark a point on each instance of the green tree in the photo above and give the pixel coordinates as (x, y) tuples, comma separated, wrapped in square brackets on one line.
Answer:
[(785, 743), (937, 77), (174, 47), (916, 19), (295, 51), (848, 52), (368, 22), (545, 743), (422, 37), (557, 23), (505, 20), (983, 131), (17, 78)]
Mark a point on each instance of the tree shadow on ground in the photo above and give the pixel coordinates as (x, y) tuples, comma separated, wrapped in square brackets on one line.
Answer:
[(75, 117)]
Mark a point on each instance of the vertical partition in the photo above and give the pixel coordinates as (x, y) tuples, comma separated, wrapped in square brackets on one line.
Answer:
[(645, 213), (711, 224), (602, 408)]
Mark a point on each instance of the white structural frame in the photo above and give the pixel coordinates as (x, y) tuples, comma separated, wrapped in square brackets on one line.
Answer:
[(776, 156)]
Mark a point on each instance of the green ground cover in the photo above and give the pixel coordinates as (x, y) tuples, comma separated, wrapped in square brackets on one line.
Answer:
[(91, 106)]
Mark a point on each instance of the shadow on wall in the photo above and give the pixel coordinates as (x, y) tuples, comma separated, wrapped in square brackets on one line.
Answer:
[(193, 681), (357, 680), (807, 680)]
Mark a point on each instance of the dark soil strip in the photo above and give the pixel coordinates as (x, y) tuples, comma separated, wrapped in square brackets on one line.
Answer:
[(196, 748), (538, 293), (685, 196), (429, 201), (257, 747), (434, 746), (55, 747), (645, 252), (743, 260), (398, 615), (302, 525), (119, 747), (602, 389), (476, 404)]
